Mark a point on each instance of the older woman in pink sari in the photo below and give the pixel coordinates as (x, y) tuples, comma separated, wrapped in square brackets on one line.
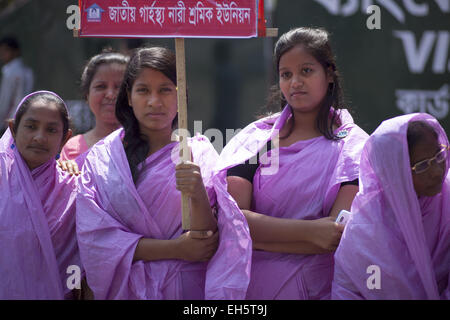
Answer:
[(37, 203), (397, 243)]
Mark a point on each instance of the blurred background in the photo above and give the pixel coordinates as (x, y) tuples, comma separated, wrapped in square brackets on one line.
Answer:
[(401, 68)]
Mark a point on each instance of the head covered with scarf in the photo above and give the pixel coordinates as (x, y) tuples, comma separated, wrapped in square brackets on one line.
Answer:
[(7, 143), (37, 211), (397, 244)]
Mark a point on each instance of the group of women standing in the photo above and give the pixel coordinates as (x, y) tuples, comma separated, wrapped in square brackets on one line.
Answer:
[(262, 212)]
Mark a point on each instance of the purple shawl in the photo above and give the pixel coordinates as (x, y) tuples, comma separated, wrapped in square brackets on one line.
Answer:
[(407, 238), (37, 225), (300, 182), (113, 214)]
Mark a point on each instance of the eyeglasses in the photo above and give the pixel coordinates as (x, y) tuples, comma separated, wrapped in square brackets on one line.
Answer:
[(424, 165)]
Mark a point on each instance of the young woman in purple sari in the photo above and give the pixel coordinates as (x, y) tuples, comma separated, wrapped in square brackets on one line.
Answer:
[(129, 207), (292, 193), (37, 203), (397, 243)]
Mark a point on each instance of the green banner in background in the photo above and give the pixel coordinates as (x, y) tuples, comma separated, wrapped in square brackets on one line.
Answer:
[(402, 67)]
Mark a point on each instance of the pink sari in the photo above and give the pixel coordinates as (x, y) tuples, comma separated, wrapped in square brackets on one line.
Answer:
[(299, 182), (37, 226), (407, 238), (113, 214)]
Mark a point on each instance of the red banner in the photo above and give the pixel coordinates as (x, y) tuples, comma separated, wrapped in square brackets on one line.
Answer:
[(169, 18)]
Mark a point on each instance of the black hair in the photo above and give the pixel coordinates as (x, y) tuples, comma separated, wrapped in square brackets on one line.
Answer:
[(11, 42), (48, 98), (417, 131), (90, 69), (316, 41), (135, 143)]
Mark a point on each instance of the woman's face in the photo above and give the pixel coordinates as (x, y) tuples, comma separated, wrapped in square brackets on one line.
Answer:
[(39, 135), (103, 92), (153, 98), (303, 80), (429, 182)]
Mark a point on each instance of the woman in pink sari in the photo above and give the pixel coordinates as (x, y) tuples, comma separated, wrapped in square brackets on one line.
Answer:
[(37, 203), (129, 207), (397, 243), (293, 192)]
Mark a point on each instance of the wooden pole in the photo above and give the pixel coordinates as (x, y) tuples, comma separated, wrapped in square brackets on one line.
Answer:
[(185, 152)]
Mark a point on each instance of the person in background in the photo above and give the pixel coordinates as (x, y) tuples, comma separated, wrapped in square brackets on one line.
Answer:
[(397, 242), (100, 83), (16, 80)]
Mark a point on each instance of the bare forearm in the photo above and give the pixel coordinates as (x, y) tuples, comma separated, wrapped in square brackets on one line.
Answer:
[(344, 199), (155, 249), (301, 247), (323, 233), (202, 217), (265, 228), (191, 246)]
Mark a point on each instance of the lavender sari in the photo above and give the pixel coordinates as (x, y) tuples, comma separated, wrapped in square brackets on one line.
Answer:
[(113, 214), (406, 238), (296, 182), (37, 225)]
